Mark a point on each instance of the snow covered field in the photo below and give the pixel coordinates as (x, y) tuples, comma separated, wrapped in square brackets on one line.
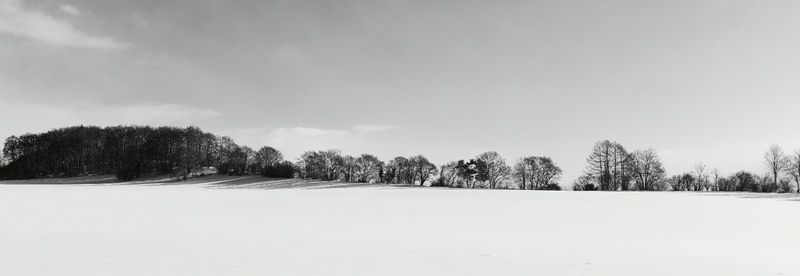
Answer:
[(205, 229)]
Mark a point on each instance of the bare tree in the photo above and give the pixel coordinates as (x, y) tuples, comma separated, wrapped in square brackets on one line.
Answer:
[(776, 161), (547, 172), (715, 175), (536, 172), (367, 168), (609, 163), (794, 169), (265, 157), (422, 168), (492, 169), (347, 168), (647, 169), (448, 174), (521, 174), (700, 171)]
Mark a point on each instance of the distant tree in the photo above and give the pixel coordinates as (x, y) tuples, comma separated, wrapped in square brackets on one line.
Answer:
[(674, 182), (368, 168), (251, 165), (390, 171), (266, 157), (794, 169), (323, 165), (584, 183), (448, 174), (701, 178), (467, 173), (727, 184), (536, 173), (348, 168), (647, 169), (776, 162), (422, 168), (745, 182), (12, 149), (492, 169), (765, 184), (399, 170), (521, 174), (283, 169), (548, 174), (610, 164), (689, 181), (715, 177)]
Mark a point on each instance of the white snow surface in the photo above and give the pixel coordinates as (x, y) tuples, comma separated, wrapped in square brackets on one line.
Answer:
[(198, 229)]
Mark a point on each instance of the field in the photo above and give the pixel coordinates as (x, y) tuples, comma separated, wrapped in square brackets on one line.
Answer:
[(255, 226)]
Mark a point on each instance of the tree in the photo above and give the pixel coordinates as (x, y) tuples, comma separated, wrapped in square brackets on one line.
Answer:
[(448, 174), (323, 165), (647, 169), (127, 151), (548, 174), (794, 169), (399, 170), (536, 173), (368, 168), (266, 157), (715, 176), (467, 173), (347, 169), (687, 180), (610, 164), (492, 169), (745, 182), (727, 184), (521, 174), (776, 162), (584, 183), (702, 178), (284, 169), (422, 168)]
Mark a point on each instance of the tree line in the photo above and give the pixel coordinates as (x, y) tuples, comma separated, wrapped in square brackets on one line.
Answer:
[(131, 152), (487, 171), (610, 167)]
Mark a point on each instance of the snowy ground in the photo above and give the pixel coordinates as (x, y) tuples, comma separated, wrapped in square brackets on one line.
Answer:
[(207, 228)]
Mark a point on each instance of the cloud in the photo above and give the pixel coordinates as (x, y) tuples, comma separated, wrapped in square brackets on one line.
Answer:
[(139, 20), (307, 131), (69, 9), (18, 21), (150, 113), (293, 141), (375, 128)]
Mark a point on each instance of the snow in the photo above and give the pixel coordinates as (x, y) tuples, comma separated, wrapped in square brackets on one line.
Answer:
[(206, 229)]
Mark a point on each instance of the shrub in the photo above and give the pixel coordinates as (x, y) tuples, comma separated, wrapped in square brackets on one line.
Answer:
[(284, 169), (587, 187), (552, 187)]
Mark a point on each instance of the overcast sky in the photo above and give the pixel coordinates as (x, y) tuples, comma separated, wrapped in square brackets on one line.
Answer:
[(715, 81)]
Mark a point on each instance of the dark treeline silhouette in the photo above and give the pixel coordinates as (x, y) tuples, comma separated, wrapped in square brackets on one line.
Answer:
[(610, 167), (366, 168), (130, 152)]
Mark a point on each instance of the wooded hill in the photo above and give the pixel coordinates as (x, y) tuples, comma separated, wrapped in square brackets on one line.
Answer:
[(126, 151)]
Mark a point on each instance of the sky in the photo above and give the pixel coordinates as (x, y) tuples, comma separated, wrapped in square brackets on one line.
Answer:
[(714, 81)]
